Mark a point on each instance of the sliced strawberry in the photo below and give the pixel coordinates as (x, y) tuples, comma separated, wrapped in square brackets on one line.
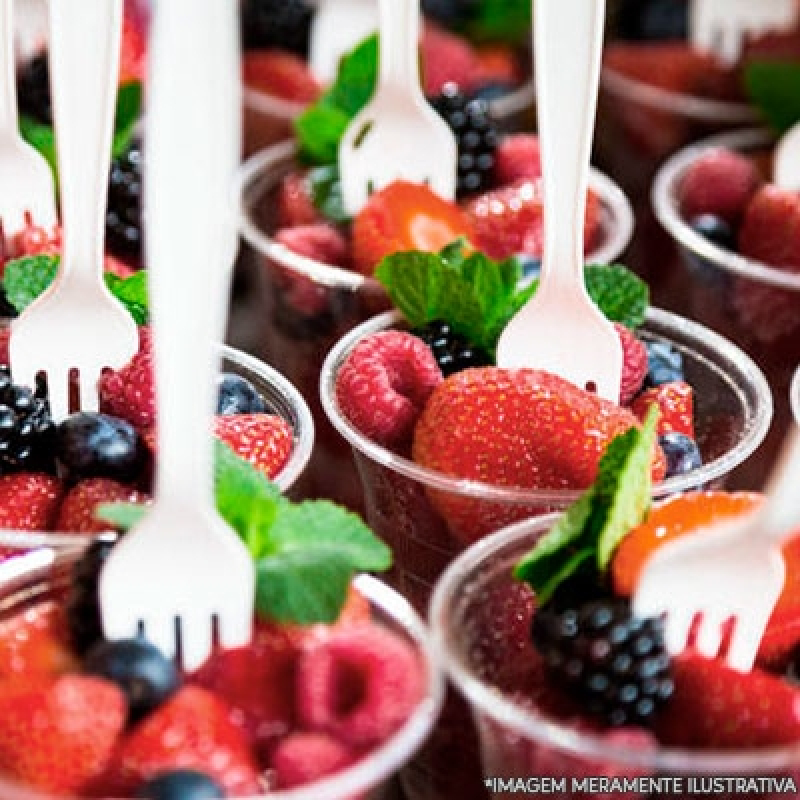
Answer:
[(295, 206), (29, 501), (714, 706), (634, 364), (404, 216), (770, 230), (279, 73), (57, 735), (518, 157), (675, 401), (192, 730), (265, 440), (447, 58), (77, 512)]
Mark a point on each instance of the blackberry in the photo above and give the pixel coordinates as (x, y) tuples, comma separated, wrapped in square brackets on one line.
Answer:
[(83, 612), (615, 663), (450, 13), (285, 24), (27, 431), (475, 134), (124, 211), (33, 90), (451, 350)]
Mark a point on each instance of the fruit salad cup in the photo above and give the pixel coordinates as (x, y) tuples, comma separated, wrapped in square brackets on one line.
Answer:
[(745, 298), (308, 305), (209, 722)]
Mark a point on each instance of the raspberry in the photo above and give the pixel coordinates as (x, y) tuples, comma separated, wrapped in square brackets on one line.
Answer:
[(446, 58), (281, 74), (634, 364), (360, 684), (517, 157), (129, 393), (303, 758), (770, 230), (319, 241), (384, 384), (295, 206), (721, 183)]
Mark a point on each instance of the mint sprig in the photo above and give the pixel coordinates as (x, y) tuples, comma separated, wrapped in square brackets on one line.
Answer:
[(24, 279), (592, 527), (305, 554), (774, 88)]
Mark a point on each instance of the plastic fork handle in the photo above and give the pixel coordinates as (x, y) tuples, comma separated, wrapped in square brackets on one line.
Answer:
[(779, 518), (8, 90), (84, 64), (568, 39), (399, 45), (192, 149)]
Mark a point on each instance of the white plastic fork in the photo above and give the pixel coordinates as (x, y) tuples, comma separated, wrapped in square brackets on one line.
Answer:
[(720, 26), (182, 576), (336, 28), (560, 329), (26, 182), (77, 324), (397, 135), (730, 571)]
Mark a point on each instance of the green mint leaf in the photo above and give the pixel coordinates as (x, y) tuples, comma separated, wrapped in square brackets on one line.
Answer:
[(132, 293), (121, 515), (129, 108), (24, 279), (318, 131), (501, 21), (774, 87), (41, 137), (357, 77), (326, 192)]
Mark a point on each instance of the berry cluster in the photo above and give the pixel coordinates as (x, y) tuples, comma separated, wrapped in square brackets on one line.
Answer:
[(124, 209)]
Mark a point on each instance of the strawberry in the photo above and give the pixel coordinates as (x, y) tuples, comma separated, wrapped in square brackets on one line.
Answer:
[(384, 383), (29, 501), (319, 241), (634, 364), (675, 401), (5, 336), (768, 313), (265, 440), (783, 631), (132, 54), (517, 157), (719, 182), (295, 206), (770, 230), (514, 427), (129, 392), (77, 512), (279, 73), (446, 58), (404, 216), (57, 735), (727, 708), (192, 730), (496, 65)]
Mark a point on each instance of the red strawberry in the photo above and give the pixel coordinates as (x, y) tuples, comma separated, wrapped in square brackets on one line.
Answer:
[(634, 364), (77, 512), (32, 644), (57, 735), (446, 58), (129, 393), (265, 440), (518, 157), (727, 708), (496, 65), (319, 241), (675, 401), (132, 55), (29, 501), (720, 182), (191, 731), (404, 216), (384, 383), (304, 758), (770, 230), (514, 427), (295, 206), (783, 631), (5, 335), (279, 73)]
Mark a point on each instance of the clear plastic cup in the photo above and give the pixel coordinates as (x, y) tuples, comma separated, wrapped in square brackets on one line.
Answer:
[(295, 340), (794, 396), (480, 619), (42, 577), (753, 304)]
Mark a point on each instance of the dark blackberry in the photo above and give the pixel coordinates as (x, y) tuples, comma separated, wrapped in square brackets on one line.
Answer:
[(124, 211), (616, 664), (451, 350), (284, 24), (475, 134), (652, 20), (33, 90), (27, 432), (83, 612), (450, 13)]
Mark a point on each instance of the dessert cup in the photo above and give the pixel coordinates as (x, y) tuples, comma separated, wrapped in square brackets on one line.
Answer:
[(794, 396), (296, 340), (753, 304), (480, 618), (42, 576)]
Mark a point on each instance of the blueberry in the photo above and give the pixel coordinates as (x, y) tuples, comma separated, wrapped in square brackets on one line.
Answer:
[(664, 364), (146, 676), (180, 784), (683, 454), (238, 396), (715, 229), (99, 445), (649, 20)]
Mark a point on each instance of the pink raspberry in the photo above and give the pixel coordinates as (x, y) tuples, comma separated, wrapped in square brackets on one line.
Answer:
[(517, 157), (384, 384), (360, 683), (303, 758), (634, 364), (446, 58)]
